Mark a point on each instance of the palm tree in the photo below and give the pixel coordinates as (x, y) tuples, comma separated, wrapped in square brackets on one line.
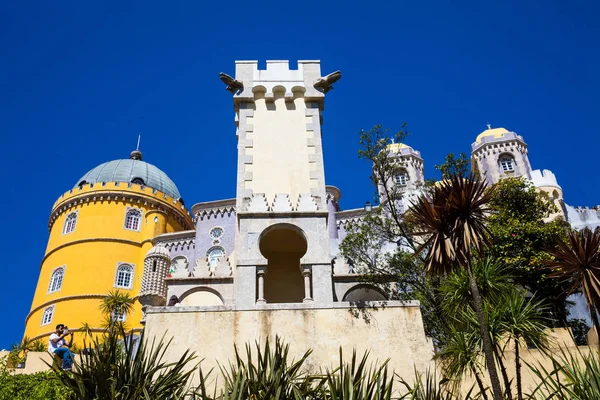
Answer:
[(116, 304), (524, 320), (493, 281), (452, 220), (577, 261), (459, 356)]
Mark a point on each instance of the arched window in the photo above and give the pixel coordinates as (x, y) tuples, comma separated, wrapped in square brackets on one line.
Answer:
[(133, 219), (215, 255), (179, 267), (138, 181), (70, 222), (47, 315), (402, 178), (56, 280), (124, 277), (507, 163)]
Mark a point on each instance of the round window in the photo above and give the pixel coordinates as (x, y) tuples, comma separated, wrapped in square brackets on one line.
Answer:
[(216, 233)]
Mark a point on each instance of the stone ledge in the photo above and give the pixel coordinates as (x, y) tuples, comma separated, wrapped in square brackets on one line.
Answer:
[(374, 305)]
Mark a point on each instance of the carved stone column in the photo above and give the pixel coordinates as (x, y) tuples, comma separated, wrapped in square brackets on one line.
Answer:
[(260, 273), (306, 272)]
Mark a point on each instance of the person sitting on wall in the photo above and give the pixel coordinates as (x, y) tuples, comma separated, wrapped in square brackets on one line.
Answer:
[(59, 346)]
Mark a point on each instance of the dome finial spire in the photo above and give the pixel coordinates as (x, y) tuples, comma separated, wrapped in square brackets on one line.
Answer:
[(136, 154)]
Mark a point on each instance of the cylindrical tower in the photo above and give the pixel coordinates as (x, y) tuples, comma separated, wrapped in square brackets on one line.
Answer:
[(156, 268), (100, 232)]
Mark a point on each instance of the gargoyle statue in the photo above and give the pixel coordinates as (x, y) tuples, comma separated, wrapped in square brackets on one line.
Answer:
[(324, 83), (233, 85)]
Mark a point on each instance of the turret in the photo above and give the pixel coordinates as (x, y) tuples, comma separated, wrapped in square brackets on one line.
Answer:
[(156, 268), (498, 153), (409, 174)]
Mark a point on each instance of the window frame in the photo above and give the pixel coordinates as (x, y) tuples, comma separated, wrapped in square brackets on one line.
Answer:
[(120, 266), (68, 219), (140, 213), (62, 279), (47, 310), (208, 256), (401, 182), (504, 158), (214, 228)]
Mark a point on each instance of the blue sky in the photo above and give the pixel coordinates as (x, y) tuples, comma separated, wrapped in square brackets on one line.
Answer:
[(80, 80)]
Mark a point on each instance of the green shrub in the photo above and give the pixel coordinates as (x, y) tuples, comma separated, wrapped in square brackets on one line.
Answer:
[(40, 386)]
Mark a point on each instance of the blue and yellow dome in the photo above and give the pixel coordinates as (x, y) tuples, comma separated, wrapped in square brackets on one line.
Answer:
[(132, 170)]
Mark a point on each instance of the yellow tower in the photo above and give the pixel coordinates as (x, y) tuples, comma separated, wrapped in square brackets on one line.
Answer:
[(100, 232)]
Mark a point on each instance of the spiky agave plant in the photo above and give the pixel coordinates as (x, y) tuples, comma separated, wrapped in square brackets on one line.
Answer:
[(118, 368), (572, 376), (270, 374), (428, 387), (358, 380)]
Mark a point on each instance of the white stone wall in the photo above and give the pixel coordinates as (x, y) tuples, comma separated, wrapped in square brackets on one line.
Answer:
[(394, 331)]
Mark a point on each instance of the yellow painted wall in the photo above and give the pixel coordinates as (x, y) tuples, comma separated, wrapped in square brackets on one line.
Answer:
[(92, 252)]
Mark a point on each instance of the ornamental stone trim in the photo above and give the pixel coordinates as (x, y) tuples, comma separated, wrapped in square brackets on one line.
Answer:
[(214, 212), (90, 329), (179, 244), (67, 298), (132, 198), (74, 242)]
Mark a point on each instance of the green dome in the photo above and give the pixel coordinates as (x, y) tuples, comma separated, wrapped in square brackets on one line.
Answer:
[(133, 170)]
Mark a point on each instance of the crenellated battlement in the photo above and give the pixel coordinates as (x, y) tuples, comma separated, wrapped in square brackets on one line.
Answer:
[(213, 209), (278, 80), (125, 186), (511, 137), (120, 191), (588, 210), (544, 178), (583, 217)]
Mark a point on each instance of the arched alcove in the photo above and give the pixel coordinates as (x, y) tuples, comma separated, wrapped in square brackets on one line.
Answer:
[(283, 245), (362, 293), (201, 297)]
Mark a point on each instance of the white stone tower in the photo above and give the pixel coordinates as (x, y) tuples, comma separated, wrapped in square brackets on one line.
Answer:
[(156, 267), (409, 173), (282, 246), (498, 153)]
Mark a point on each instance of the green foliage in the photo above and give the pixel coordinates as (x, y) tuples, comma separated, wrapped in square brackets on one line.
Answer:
[(521, 239), (115, 369), (428, 387), (573, 376), (460, 356), (114, 304), (451, 221), (580, 329), (577, 264), (39, 386), (493, 279), (18, 352), (452, 166), (358, 381), (271, 374)]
